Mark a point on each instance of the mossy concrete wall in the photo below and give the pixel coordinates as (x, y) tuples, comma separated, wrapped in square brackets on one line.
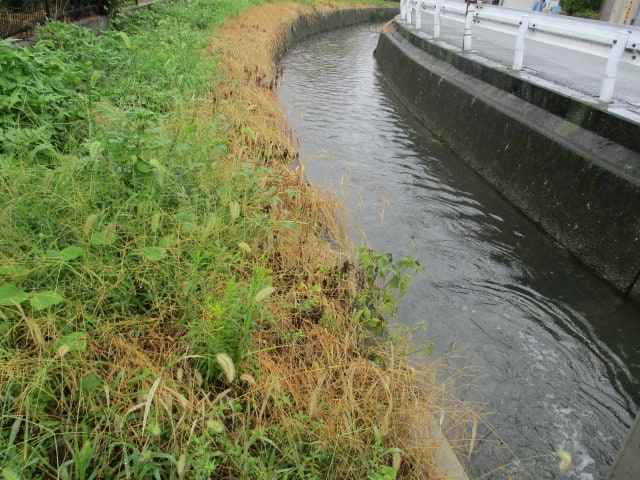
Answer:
[(567, 165), (310, 24)]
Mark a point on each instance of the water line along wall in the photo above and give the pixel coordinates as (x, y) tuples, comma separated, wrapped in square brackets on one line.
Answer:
[(571, 176)]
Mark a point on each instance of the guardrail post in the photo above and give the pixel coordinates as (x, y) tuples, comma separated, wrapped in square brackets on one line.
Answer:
[(466, 40), (611, 71), (436, 19), (522, 33), (418, 15)]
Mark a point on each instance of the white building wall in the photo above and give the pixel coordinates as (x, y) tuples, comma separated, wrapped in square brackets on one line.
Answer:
[(519, 4)]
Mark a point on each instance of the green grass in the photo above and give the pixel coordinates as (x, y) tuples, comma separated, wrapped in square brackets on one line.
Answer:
[(135, 267), (113, 224)]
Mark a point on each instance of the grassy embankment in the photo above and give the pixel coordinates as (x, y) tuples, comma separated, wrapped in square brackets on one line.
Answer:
[(172, 304)]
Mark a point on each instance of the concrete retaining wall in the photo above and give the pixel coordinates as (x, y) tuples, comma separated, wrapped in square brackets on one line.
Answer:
[(588, 116), (319, 22), (566, 172)]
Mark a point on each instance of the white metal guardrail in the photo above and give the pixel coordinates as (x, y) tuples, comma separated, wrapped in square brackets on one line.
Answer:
[(615, 42)]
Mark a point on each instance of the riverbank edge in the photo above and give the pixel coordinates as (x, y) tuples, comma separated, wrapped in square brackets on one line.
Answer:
[(304, 27), (580, 187)]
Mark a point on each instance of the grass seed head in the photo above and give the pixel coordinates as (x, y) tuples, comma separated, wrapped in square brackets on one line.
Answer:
[(227, 366)]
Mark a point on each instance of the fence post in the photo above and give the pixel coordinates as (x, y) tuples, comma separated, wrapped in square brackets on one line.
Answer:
[(418, 15), (522, 33), (466, 40), (408, 19), (611, 71), (436, 19), (47, 10), (403, 8)]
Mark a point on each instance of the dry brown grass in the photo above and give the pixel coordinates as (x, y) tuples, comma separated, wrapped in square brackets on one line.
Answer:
[(314, 356)]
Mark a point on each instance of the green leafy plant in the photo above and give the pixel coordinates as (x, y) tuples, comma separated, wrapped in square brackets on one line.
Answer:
[(117, 230), (383, 282)]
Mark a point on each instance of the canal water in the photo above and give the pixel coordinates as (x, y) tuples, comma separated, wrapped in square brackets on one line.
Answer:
[(553, 350)]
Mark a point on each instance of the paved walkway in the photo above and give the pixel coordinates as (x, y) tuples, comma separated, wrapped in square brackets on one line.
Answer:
[(573, 72)]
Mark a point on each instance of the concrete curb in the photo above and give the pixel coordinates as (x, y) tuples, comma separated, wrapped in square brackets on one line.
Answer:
[(594, 117), (627, 464), (581, 187)]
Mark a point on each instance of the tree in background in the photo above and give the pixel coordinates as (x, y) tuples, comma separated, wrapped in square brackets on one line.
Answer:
[(582, 8)]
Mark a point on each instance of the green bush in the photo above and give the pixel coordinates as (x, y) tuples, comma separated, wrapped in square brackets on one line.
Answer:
[(582, 8), (22, 4)]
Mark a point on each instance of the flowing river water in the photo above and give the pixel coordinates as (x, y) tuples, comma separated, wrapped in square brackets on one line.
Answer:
[(555, 350)]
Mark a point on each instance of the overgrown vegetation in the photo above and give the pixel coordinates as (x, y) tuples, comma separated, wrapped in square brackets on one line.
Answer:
[(170, 302)]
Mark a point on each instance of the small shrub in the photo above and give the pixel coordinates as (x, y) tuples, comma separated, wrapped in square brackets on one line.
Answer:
[(383, 282)]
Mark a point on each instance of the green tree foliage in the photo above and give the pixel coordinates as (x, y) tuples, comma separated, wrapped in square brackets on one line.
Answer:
[(582, 8)]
